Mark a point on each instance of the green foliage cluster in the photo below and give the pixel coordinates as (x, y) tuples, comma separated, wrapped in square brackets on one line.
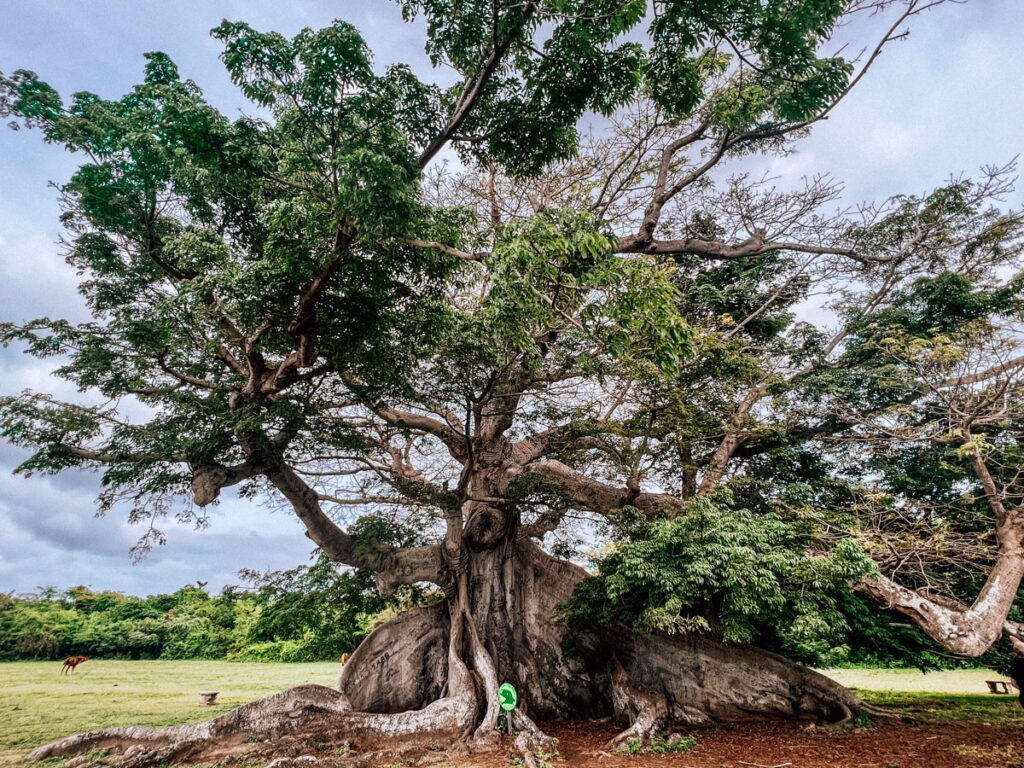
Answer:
[(241, 217), (717, 568), (188, 624), (309, 613), (659, 746)]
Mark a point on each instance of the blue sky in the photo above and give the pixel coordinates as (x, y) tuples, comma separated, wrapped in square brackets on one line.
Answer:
[(944, 102)]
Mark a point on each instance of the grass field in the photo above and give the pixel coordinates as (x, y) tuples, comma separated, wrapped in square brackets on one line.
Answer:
[(966, 681), (938, 697), (38, 705)]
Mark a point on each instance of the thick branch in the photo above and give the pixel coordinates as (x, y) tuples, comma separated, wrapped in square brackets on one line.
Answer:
[(988, 484), (968, 631), (455, 442), (545, 523), (407, 565), (448, 249), (600, 497), (661, 195), (209, 479), (755, 245), (732, 440), (303, 327), (980, 376), (119, 457)]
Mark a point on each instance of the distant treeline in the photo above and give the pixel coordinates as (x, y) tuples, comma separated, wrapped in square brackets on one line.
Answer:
[(310, 613)]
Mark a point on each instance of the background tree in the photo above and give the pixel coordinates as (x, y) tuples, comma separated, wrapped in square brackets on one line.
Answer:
[(567, 332)]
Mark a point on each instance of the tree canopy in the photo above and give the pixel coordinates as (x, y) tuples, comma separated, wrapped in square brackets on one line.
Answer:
[(746, 394)]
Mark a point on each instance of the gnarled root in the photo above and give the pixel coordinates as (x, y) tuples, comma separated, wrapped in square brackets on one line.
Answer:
[(530, 741), (485, 737), (283, 711), (402, 665), (646, 710), (704, 681), (308, 710)]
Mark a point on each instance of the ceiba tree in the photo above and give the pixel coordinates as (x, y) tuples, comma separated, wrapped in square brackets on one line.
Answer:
[(748, 396)]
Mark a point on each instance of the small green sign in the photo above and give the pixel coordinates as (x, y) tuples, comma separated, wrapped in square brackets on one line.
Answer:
[(507, 697)]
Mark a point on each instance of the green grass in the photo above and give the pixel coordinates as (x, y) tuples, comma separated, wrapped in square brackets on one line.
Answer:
[(39, 705), (986, 709), (913, 680), (938, 697)]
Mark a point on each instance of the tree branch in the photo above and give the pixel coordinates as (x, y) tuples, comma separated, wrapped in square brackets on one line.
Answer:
[(454, 441), (119, 457), (600, 497), (474, 88), (451, 251), (755, 245), (406, 565)]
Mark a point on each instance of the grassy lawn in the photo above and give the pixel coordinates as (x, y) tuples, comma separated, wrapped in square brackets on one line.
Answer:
[(951, 696), (914, 681), (39, 705)]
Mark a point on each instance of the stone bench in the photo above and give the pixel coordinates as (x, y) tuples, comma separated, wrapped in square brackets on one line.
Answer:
[(1000, 686), (206, 698)]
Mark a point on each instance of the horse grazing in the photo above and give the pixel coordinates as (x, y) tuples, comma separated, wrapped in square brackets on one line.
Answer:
[(71, 662)]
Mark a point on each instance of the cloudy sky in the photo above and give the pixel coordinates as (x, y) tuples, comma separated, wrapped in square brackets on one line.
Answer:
[(944, 102)]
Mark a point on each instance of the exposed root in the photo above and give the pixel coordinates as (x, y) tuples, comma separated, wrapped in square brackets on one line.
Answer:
[(530, 741), (274, 714), (402, 665), (485, 737), (882, 712), (644, 709), (853, 714), (705, 682), (307, 710)]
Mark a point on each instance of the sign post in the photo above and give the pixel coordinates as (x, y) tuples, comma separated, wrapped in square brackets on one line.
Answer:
[(507, 698)]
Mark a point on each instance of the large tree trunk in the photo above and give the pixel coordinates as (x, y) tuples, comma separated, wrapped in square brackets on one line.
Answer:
[(431, 677)]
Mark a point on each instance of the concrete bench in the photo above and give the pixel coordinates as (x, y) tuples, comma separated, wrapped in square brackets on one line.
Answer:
[(1000, 686), (206, 698)]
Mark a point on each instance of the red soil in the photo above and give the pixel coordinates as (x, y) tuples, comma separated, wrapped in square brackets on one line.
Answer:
[(778, 745)]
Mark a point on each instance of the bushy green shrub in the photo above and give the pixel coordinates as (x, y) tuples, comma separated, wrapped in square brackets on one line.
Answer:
[(280, 650), (196, 637), (717, 569)]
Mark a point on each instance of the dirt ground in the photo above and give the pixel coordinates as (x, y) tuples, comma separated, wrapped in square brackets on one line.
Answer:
[(788, 745), (747, 745)]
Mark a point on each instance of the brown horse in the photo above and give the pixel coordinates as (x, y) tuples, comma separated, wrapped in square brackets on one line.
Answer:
[(71, 662)]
